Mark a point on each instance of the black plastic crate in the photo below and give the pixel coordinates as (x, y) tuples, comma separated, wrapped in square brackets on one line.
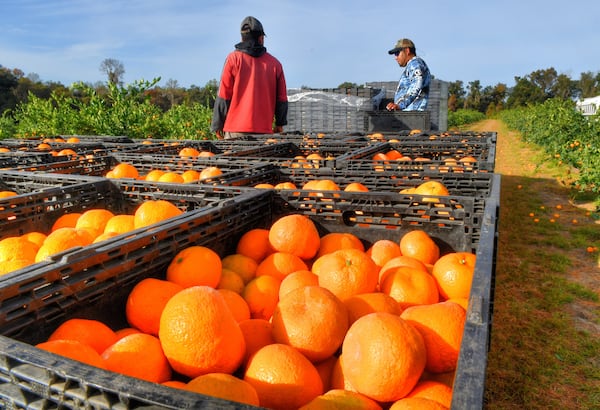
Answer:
[(96, 277), (235, 173), (397, 120), (17, 158), (95, 282), (38, 209), (169, 147), (440, 136), (476, 185), (440, 153)]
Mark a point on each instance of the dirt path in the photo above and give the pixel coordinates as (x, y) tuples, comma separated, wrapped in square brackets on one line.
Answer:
[(539, 248), (515, 161)]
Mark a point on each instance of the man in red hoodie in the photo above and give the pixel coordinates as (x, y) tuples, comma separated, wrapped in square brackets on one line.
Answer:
[(252, 91)]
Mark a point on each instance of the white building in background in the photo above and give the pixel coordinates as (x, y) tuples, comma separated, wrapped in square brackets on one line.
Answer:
[(589, 106)]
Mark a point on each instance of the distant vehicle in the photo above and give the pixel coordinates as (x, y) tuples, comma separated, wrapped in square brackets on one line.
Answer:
[(589, 106)]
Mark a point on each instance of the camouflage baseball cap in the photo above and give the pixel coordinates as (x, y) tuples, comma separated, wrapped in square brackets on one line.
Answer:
[(402, 44), (251, 24)]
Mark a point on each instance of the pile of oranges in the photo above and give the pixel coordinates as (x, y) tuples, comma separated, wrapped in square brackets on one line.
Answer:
[(125, 170), (79, 229), (293, 320)]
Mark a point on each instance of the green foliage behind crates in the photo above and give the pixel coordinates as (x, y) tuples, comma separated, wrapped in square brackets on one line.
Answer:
[(123, 111), (462, 117)]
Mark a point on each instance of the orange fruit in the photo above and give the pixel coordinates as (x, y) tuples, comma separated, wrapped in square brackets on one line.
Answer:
[(224, 386), (104, 236), (338, 378), (390, 371), (296, 280), (171, 176), (454, 274), (205, 154), (296, 234), (341, 399), (195, 266), (74, 349), (322, 185), (417, 403), (433, 390), (441, 325), (325, 369), (94, 220), (383, 250), (257, 334), (72, 140), (464, 302), (146, 302), (61, 240), (126, 331), (176, 384), (210, 172), (66, 152), (409, 286), (283, 377), (153, 211), (346, 272), (335, 241), (66, 221), (255, 244), (190, 175), (356, 187), (285, 185), (7, 194), (262, 295), (264, 185), (393, 154), (365, 303), (154, 175), (13, 265), (432, 188), (17, 247), (237, 304), (280, 264), (124, 170), (88, 331), (138, 355), (243, 265), (189, 152), (120, 224), (399, 261), (419, 245), (37, 238), (44, 146), (231, 280), (199, 334), (312, 320)]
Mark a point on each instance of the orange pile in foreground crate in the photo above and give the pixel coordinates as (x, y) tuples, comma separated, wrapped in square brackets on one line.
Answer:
[(337, 335)]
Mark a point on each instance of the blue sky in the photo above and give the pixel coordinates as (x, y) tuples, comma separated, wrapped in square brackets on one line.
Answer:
[(320, 43)]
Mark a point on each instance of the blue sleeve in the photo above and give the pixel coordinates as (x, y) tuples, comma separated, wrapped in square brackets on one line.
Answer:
[(416, 75)]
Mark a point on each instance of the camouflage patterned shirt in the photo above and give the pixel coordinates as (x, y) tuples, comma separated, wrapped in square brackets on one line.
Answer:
[(412, 92)]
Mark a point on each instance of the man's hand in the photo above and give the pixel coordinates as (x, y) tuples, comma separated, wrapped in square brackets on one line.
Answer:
[(219, 134), (392, 107), (278, 129)]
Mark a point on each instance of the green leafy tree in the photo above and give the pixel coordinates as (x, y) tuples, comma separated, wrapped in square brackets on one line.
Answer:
[(473, 99), (588, 84), (456, 95), (8, 81)]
